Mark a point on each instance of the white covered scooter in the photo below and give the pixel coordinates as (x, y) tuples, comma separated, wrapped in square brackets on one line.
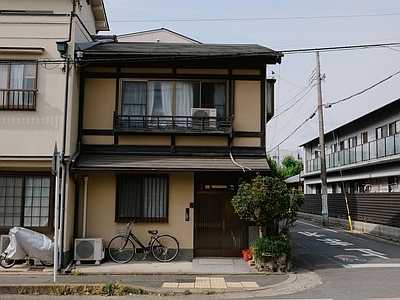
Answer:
[(28, 244)]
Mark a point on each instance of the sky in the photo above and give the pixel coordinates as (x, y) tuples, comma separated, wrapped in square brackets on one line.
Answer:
[(361, 77)]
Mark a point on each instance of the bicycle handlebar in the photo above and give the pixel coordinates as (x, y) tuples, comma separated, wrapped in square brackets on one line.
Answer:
[(130, 224)]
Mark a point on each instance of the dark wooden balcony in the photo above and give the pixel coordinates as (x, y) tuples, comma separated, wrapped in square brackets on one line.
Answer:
[(182, 125)]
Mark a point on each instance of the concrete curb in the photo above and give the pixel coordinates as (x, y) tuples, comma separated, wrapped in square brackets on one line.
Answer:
[(294, 284)]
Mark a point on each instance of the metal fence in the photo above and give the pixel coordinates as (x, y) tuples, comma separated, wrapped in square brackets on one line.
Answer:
[(378, 208)]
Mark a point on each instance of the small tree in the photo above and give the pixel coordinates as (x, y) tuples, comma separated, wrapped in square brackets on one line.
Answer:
[(266, 201), (290, 167)]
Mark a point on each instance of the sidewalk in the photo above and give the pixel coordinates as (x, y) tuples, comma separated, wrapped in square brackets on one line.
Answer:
[(219, 275)]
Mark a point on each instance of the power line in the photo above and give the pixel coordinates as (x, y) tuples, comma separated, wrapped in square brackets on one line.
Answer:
[(363, 91), (309, 118), (330, 104), (257, 19), (340, 48)]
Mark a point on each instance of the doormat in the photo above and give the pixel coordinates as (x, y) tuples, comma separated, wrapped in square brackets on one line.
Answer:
[(215, 261)]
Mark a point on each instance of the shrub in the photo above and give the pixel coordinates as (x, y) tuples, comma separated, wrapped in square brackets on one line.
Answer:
[(272, 245)]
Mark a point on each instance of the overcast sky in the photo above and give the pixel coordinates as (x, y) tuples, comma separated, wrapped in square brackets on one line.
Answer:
[(289, 25)]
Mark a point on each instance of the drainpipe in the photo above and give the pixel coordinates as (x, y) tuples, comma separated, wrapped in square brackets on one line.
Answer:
[(64, 138), (85, 192)]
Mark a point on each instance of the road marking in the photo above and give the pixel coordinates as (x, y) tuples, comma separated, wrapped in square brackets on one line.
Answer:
[(369, 252), (312, 225), (307, 233), (335, 242), (209, 283), (359, 266)]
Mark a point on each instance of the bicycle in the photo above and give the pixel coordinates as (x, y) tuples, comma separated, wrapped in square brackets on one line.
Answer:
[(7, 263), (163, 247)]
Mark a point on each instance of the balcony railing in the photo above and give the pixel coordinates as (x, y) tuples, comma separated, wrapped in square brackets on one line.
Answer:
[(381, 148), (125, 124), (17, 99)]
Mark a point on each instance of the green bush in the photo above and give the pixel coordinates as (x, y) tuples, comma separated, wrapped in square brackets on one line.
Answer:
[(272, 245)]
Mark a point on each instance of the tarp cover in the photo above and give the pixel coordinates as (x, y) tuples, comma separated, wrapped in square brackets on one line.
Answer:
[(25, 242)]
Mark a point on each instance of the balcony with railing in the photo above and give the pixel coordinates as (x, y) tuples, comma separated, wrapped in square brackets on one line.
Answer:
[(178, 125), (17, 99), (378, 149)]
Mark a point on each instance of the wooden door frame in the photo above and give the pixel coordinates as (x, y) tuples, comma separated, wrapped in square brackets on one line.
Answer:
[(227, 220)]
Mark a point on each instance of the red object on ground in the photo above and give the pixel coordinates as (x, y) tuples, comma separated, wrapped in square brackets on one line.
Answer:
[(246, 254)]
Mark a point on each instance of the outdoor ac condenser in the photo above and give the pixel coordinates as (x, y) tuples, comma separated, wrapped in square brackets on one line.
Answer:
[(204, 113), (89, 250), (4, 241)]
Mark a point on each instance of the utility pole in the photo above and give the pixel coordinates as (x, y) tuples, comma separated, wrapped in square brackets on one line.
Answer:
[(324, 185)]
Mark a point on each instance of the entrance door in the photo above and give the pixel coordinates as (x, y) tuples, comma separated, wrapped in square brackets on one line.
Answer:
[(218, 229)]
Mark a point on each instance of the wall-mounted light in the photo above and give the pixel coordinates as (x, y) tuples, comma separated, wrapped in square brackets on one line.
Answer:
[(79, 55), (62, 48)]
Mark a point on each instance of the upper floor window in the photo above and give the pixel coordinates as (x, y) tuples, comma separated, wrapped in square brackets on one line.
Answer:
[(25, 201), (18, 85), (352, 142), (364, 137), (168, 98), (392, 128), (382, 132)]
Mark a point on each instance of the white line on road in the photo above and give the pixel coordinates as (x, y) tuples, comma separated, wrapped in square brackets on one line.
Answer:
[(312, 225), (359, 266)]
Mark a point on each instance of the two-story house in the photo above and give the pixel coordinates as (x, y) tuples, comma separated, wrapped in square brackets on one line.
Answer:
[(166, 133), (362, 166), (158, 132), (39, 108)]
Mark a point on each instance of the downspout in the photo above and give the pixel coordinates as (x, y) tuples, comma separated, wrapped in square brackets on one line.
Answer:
[(85, 193), (64, 138)]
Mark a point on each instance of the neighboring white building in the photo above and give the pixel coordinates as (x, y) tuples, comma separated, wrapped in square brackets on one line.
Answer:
[(279, 154), (361, 156), (39, 93), (161, 35)]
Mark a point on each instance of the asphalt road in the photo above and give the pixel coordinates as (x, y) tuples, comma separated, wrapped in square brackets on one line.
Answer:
[(352, 266)]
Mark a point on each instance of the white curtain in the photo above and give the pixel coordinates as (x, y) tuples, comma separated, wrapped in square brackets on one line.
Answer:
[(160, 101), (3, 82), (219, 98), (150, 103), (133, 102), (155, 195), (16, 82), (133, 98), (166, 99), (184, 101)]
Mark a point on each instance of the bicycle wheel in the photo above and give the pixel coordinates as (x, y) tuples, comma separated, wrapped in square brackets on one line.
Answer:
[(121, 249), (47, 263), (165, 247), (7, 262)]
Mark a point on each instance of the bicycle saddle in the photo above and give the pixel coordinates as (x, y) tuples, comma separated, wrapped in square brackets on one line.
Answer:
[(153, 232)]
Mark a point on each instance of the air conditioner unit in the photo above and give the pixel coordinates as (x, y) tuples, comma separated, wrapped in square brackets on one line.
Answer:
[(4, 241), (209, 115), (89, 250)]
